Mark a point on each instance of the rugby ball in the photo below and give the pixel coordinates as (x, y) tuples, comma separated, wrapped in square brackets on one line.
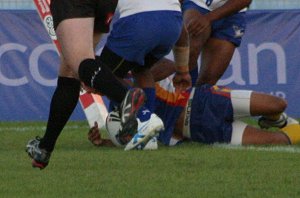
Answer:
[(113, 127)]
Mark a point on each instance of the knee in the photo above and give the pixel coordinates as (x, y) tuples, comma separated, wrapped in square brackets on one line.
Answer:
[(87, 69), (278, 105)]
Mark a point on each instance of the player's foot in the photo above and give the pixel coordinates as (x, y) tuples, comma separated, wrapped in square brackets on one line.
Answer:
[(132, 102), (283, 121), (146, 131), (40, 157), (152, 144)]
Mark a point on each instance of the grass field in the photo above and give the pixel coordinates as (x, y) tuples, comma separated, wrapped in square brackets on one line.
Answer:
[(78, 169)]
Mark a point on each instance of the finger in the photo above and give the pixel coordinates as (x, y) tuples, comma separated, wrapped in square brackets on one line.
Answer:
[(96, 124)]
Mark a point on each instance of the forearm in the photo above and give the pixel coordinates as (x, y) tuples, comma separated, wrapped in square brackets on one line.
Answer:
[(162, 69), (229, 8), (181, 52)]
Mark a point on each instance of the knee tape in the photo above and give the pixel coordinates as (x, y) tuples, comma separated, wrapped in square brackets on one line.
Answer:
[(88, 70)]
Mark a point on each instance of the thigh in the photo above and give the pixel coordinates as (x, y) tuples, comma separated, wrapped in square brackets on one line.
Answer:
[(68, 9), (76, 39), (117, 64), (266, 104), (255, 136)]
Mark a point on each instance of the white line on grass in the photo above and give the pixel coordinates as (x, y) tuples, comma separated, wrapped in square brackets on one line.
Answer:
[(288, 149)]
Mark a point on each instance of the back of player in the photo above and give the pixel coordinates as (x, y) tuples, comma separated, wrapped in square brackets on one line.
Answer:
[(146, 31)]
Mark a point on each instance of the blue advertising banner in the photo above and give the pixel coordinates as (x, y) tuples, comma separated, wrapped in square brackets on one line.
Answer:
[(268, 60)]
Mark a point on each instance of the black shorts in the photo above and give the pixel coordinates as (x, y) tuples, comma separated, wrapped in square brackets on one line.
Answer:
[(119, 66), (102, 10)]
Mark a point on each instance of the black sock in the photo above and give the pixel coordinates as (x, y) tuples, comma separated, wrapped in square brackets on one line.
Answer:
[(63, 103), (100, 77)]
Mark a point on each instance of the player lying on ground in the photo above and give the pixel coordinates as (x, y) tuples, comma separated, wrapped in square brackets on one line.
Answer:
[(212, 114)]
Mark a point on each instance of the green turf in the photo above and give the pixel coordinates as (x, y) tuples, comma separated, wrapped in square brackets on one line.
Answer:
[(78, 169)]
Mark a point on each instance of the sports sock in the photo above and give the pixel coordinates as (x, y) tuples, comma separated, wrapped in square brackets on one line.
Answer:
[(145, 112), (100, 77), (150, 98), (292, 131), (63, 103)]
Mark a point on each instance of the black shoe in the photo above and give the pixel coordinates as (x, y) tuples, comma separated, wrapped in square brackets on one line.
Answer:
[(40, 157), (132, 102)]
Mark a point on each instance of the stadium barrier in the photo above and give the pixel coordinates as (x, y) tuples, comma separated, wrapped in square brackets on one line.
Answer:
[(268, 60)]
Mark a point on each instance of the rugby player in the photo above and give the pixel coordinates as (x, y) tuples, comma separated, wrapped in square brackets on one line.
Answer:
[(212, 114), (216, 28), (145, 32)]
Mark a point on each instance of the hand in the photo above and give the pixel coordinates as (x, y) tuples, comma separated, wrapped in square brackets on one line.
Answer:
[(94, 135), (182, 81), (198, 25)]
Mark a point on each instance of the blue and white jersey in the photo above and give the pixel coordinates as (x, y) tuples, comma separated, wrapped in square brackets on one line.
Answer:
[(130, 7), (211, 4)]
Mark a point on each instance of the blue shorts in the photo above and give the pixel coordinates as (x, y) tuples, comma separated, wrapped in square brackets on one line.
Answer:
[(145, 34), (230, 28), (211, 115)]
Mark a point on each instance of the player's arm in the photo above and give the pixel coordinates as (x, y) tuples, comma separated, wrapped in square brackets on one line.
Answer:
[(182, 79), (162, 69)]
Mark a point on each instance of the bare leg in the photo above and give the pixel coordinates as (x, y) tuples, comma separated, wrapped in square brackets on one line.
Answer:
[(63, 103), (196, 41), (215, 59), (254, 136), (266, 105), (76, 39)]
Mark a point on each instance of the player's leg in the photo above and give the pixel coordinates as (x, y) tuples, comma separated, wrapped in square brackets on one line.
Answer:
[(243, 134), (196, 41), (62, 105), (215, 58), (94, 74), (163, 42), (217, 52), (120, 68), (271, 108), (266, 104), (63, 102), (249, 103)]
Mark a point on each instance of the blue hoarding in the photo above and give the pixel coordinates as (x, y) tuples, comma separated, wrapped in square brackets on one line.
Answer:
[(268, 60)]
